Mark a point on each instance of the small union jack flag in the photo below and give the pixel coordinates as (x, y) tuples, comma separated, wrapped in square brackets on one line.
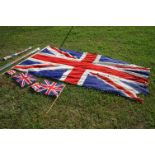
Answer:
[(10, 72), (24, 79), (36, 87), (51, 88)]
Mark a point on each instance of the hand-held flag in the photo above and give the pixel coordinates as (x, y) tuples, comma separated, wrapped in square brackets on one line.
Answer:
[(51, 88), (10, 72), (48, 88), (24, 79), (36, 87)]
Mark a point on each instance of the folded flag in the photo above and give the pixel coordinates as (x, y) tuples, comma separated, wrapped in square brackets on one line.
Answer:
[(24, 79), (10, 72), (89, 70), (36, 87), (48, 88)]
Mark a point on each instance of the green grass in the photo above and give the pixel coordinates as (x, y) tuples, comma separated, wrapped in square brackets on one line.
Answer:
[(79, 107)]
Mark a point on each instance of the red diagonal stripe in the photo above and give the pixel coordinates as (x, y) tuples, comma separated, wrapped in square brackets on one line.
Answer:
[(34, 66), (119, 87), (132, 67)]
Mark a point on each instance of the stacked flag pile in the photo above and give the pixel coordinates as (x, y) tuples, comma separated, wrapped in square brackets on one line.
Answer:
[(82, 69), (46, 88)]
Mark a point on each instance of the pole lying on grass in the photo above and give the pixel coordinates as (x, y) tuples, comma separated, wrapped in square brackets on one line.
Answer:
[(15, 54), (54, 101), (17, 60)]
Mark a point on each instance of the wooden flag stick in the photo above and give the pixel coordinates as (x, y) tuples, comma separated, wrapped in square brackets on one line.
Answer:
[(54, 101)]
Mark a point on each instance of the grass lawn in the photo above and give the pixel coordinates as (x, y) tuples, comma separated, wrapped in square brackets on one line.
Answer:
[(79, 107)]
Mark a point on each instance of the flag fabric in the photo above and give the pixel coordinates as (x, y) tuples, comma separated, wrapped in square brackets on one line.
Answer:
[(24, 79), (48, 88), (51, 88), (10, 72), (89, 70), (36, 87)]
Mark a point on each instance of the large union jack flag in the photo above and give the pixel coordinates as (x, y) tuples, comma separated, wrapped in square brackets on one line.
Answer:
[(88, 70)]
